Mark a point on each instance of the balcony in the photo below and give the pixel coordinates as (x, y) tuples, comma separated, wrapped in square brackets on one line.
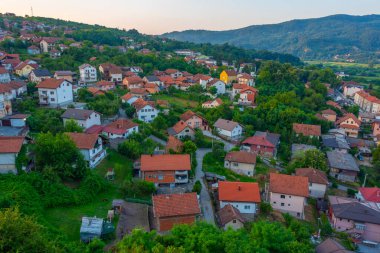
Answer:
[(181, 179), (181, 172)]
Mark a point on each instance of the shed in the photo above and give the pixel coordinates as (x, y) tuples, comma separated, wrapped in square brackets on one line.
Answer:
[(91, 228)]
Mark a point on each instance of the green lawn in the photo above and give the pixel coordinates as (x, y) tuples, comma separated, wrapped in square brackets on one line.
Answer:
[(179, 102), (68, 219), (342, 64), (210, 164)]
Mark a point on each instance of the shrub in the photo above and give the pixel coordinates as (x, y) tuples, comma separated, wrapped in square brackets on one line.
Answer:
[(197, 187)]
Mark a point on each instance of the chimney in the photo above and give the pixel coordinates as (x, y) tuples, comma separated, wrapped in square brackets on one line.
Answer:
[(239, 188), (118, 126)]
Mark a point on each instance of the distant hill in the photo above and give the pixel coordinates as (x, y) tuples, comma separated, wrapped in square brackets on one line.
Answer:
[(317, 39)]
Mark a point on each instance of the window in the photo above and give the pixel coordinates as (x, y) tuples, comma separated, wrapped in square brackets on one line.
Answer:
[(52, 99), (359, 226), (160, 177), (235, 164), (51, 92), (282, 204), (298, 215), (282, 196), (288, 204), (274, 202), (234, 221), (247, 207)]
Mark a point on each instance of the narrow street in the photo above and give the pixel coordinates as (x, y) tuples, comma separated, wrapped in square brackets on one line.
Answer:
[(227, 145), (204, 198)]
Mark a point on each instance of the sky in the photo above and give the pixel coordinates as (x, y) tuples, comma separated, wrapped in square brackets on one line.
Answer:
[(159, 16)]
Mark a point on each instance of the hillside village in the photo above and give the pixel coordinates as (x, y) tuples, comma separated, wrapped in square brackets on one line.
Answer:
[(180, 137)]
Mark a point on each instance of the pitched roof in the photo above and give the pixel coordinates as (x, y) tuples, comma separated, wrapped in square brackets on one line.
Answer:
[(291, 185), (104, 83), (169, 205), (11, 144), (314, 175), (229, 213), (119, 126), (95, 91), (3, 71), (328, 112), (335, 141), (166, 162), (258, 140), (307, 130), (331, 246), (356, 211), (348, 116), (84, 140), (371, 194), (239, 192), (241, 157), (41, 72), (228, 125), (85, 65), (141, 103), (272, 137), (78, 114), (64, 73), (231, 72), (187, 115), (133, 80), (50, 83), (171, 71), (127, 96), (341, 160), (179, 127), (238, 86), (95, 129)]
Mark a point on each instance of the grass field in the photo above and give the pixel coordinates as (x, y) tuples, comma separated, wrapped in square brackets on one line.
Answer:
[(68, 219), (180, 102), (342, 64)]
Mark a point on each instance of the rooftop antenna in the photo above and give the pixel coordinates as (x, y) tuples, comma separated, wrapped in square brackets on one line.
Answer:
[(31, 9)]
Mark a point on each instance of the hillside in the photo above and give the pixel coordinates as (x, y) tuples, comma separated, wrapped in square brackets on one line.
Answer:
[(319, 38)]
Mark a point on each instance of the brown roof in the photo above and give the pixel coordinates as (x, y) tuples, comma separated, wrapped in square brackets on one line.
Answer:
[(331, 246), (180, 126), (228, 125), (187, 115), (50, 83), (307, 130), (329, 112), (3, 71), (314, 175), (231, 72), (174, 144), (119, 126), (83, 140), (168, 205), (229, 213), (238, 86), (348, 116), (239, 192), (165, 162), (104, 83), (291, 185), (141, 103), (11, 144), (241, 157), (95, 91)]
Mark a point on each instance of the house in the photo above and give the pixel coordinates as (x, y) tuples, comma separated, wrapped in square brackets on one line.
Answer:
[(128, 98), (67, 75), (366, 117), (370, 196), (38, 75), (263, 144), (15, 120), (354, 218), (48, 43), (342, 166), (329, 115), (244, 196), (145, 111), (153, 79), (194, 120), (218, 84), (307, 130), (350, 124), (173, 73), (230, 217), (299, 149), (87, 73), (349, 90), (84, 118), (13, 89), (228, 129), (33, 50), (181, 130), (336, 142), (236, 89), (54, 53), (5, 77), (173, 145), (212, 103), (139, 92), (246, 79), (105, 85), (288, 194), (90, 145), (91, 228), (111, 72), (10, 147), (120, 128), (55, 92), (96, 91), (241, 162), (23, 69), (168, 169), (247, 96), (376, 129), (331, 246), (202, 79), (133, 82), (318, 181), (228, 76), (367, 102), (174, 209)]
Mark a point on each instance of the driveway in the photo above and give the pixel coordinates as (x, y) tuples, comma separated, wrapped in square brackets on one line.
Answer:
[(227, 145), (204, 198)]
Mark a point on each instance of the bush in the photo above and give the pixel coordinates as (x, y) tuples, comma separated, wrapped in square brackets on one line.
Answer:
[(138, 189), (197, 187), (265, 208)]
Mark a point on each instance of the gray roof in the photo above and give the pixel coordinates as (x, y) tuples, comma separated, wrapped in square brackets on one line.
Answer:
[(64, 73), (273, 138), (355, 142), (335, 141), (357, 212), (224, 124), (342, 161), (91, 225), (77, 114), (152, 78), (41, 72)]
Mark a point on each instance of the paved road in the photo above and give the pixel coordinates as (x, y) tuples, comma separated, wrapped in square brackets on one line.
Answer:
[(227, 145), (205, 200), (157, 140)]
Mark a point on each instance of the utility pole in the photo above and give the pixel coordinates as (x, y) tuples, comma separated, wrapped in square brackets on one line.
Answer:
[(365, 179)]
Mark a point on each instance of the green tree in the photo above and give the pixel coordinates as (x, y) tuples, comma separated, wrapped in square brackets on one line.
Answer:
[(189, 147), (72, 126), (197, 187), (313, 158), (130, 148)]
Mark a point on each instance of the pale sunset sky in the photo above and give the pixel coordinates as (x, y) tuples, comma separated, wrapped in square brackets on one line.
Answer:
[(159, 16)]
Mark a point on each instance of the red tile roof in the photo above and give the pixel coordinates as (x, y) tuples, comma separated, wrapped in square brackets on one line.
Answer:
[(50, 83), (187, 115), (241, 157), (328, 112), (11, 144), (169, 205), (105, 83), (95, 129), (307, 130), (180, 126), (84, 140), (238, 86), (291, 185), (348, 116), (239, 192), (314, 175), (258, 140), (95, 91), (165, 162), (231, 72), (119, 126), (229, 213), (371, 194)]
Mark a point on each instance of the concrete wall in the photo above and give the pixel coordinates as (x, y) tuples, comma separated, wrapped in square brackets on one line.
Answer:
[(293, 205), (243, 207), (8, 163), (317, 190), (240, 168)]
